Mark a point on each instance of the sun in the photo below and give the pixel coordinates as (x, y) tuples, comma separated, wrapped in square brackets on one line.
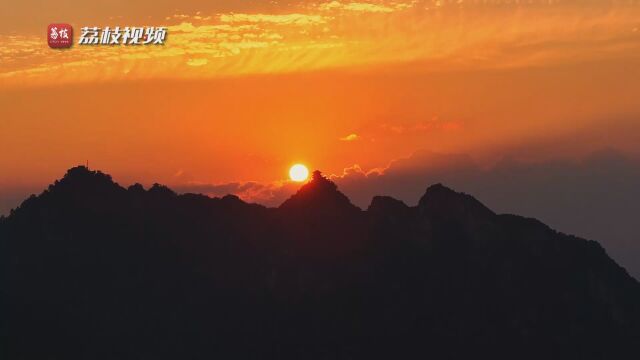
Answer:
[(298, 173)]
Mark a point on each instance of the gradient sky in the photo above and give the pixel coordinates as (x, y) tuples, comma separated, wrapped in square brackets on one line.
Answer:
[(243, 89)]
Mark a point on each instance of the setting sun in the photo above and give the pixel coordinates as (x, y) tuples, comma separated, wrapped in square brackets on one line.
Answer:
[(298, 172)]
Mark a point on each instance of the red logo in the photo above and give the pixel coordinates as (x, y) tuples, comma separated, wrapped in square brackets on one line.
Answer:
[(59, 35)]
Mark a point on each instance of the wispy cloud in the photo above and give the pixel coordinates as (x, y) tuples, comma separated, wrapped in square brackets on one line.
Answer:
[(365, 6), (197, 62), (350, 137), (283, 19), (311, 36)]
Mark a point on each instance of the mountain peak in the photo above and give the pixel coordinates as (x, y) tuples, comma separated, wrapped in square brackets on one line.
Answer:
[(444, 201), (386, 204), (80, 178), (82, 172), (319, 193)]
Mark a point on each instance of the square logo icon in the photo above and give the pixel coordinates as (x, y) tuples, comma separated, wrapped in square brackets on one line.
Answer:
[(59, 36)]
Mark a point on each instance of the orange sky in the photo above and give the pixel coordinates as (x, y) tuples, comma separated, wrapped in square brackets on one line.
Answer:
[(243, 89)]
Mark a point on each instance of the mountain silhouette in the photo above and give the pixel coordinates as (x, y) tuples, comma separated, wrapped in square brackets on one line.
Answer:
[(320, 197), (93, 270)]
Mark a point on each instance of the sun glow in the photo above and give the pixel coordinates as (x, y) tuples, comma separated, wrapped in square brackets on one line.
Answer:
[(298, 173)]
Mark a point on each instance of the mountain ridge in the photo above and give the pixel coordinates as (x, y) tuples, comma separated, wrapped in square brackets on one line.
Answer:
[(316, 277)]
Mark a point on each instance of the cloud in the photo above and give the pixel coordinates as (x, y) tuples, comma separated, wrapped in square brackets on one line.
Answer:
[(283, 19), (350, 137), (335, 34), (197, 62), (356, 6)]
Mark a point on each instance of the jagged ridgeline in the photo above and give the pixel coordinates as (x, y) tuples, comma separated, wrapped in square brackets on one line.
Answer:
[(92, 270)]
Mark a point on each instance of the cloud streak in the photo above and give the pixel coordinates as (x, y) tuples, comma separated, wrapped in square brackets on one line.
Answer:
[(350, 137), (284, 19), (312, 36), (359, 7)]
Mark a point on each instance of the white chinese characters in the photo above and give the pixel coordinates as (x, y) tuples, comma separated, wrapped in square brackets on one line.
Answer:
[(62, 33), (125, 36)]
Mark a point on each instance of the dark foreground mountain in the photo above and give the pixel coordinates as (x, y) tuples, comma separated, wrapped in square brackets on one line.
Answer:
[(92, 270)]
